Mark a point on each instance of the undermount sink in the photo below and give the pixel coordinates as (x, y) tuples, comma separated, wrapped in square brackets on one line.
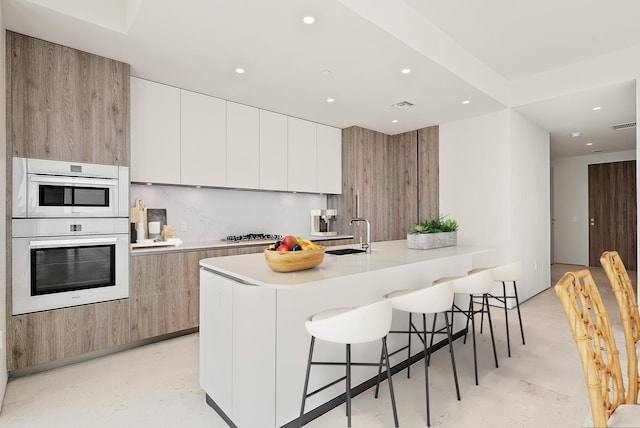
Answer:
[(343, 251)]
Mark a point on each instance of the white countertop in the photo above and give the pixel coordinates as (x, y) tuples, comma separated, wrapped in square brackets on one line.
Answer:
[(253, 270), (208, 245)]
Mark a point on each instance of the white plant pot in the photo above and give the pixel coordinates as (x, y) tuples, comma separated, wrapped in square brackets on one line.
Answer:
[(427, 241)]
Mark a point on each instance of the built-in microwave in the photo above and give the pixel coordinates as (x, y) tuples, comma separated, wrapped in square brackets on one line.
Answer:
[(46, 188)]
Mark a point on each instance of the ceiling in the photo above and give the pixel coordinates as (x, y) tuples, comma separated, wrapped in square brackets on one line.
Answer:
[(354, 53)]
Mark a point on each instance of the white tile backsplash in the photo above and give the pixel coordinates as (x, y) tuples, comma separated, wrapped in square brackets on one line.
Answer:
[(212, 214)]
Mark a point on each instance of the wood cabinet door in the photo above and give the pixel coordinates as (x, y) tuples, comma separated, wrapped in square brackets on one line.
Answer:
[(155, 132), (390, 180), (401, 185), (428, 199), (243, 146), (65, 104), (203, 123), (612, 211)]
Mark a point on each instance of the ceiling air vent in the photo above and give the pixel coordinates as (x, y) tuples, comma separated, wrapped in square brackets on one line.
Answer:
[(623, 126), (402, 105)]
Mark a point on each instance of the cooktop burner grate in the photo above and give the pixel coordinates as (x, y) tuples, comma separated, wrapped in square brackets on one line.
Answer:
[(253, 237)]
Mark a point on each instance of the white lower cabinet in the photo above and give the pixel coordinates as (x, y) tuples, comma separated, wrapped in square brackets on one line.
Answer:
[(202, 140)]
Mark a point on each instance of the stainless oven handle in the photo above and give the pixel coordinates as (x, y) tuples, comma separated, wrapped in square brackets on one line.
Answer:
[(71, 242), (74, 181)]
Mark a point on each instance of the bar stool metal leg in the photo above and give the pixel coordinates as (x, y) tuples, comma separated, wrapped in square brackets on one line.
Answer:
[(493, 342), (393, 397), (348, 385), (409, 348), (473, 336), (515, 293), (506, 317), (453, 360), (306, 381), (427, 357)]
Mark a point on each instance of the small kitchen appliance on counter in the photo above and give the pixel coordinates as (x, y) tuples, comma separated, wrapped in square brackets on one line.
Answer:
[(322, 222)]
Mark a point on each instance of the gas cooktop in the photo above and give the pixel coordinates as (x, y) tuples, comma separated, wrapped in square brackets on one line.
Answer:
[(252, 237)]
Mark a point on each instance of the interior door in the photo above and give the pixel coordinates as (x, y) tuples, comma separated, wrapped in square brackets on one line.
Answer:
[(612, 211)]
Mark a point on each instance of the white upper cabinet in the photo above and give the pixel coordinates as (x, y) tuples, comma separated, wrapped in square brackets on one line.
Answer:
[(329, 159), (183, 137), (243, 146), (273, 151), (302, 155), (155, 132), (203, 140)]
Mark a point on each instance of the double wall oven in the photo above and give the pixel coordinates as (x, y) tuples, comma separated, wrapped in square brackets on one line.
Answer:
[(70, 234)]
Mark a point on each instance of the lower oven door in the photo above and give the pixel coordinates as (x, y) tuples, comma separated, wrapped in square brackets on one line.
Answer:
[(50, 272)]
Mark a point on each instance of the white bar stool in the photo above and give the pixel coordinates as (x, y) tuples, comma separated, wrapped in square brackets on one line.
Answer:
[(511, 272), (350, 326), (429, 300), (476, 285)]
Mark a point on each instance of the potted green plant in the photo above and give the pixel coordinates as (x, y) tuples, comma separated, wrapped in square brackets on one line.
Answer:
[(436, 233)]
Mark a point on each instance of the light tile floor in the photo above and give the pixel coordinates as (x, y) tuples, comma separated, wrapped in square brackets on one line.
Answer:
[(541, 385)]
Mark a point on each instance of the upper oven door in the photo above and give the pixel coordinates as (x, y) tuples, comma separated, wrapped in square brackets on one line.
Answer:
[(63, 196)]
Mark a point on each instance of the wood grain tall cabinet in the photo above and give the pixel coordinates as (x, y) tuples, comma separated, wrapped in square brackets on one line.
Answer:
[(393, 180), (63, 104)]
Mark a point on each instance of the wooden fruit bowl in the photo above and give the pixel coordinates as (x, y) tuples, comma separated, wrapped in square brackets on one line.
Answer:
[(292, 261)]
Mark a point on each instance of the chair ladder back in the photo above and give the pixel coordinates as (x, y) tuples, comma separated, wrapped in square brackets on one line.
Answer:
[(628, 306), (592, 333)]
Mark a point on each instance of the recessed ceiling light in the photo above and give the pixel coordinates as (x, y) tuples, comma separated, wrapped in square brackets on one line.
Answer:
[(597, 108), (589, 144), (405, 71), (466, 102), (325, 73), (575, 134), (240, 70), (308, 20), (330, 100), (394, 121)]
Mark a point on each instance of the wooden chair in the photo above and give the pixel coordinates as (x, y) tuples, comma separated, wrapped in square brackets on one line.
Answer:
[(589, 323), (628, 306)]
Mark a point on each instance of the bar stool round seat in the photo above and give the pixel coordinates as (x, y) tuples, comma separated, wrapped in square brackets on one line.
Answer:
[(475, 285), (431, 300), (511, 272), (350, 326)]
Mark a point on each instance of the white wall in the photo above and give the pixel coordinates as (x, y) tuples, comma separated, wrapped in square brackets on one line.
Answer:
[(571, 205), (494, 179), (212, 214), (530, 239), (3, 231)]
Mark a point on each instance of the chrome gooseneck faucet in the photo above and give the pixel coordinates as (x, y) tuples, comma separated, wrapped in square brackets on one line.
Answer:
[(366, 244)]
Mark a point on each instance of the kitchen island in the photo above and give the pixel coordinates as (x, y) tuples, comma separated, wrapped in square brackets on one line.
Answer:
[(253, 343)]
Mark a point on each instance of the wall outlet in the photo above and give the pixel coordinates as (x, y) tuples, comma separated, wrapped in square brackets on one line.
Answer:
[(183, 226), (535, 265)]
